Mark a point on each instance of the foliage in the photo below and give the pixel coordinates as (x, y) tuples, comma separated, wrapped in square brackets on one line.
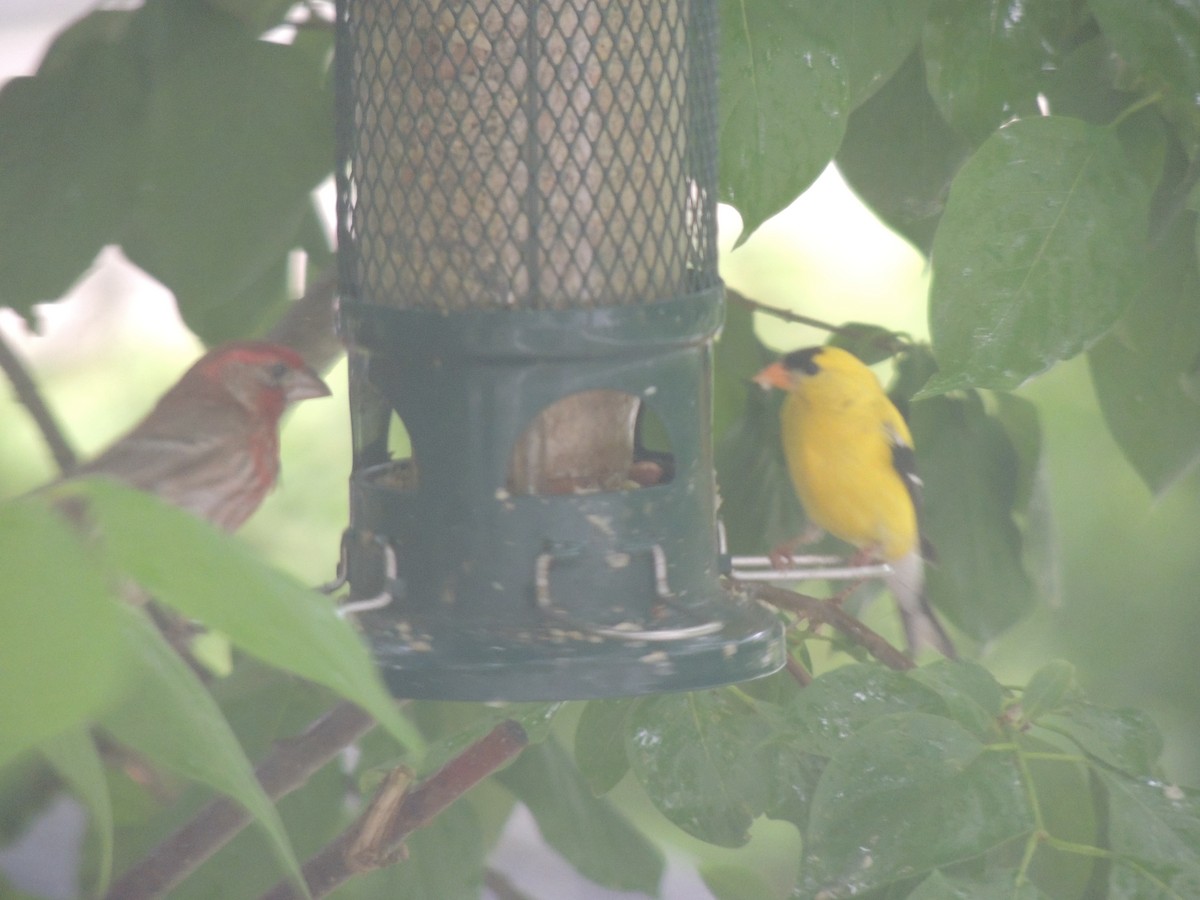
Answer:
[(1044, 154)]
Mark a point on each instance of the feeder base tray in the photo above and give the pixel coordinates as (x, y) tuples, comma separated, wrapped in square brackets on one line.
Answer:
[(445, 660)]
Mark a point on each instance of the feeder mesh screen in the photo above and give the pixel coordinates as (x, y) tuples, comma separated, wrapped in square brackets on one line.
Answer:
[(545, 154)]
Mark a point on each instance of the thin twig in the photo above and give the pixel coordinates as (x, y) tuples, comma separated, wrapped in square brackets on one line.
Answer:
[(377, 837), (287, 768), (796, 669), (785, 314), (29, 395), (823, 612), (894, 343)]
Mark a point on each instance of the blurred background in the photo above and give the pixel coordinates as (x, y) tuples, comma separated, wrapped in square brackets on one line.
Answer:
[(1127, 612)]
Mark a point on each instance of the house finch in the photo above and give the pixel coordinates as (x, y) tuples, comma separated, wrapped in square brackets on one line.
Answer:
[(211, 444)]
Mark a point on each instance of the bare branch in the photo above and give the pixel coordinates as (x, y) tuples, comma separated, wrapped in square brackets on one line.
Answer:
[(893, 344), (287, 768), (824, 612), (29, 395), (376, 839)]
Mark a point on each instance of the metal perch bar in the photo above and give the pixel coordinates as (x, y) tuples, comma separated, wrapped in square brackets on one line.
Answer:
[(806, 568)]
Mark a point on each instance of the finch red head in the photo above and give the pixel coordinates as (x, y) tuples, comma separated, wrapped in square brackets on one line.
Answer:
[(211, 444)]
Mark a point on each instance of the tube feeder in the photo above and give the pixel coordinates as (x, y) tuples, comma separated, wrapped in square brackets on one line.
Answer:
[(529, 293)]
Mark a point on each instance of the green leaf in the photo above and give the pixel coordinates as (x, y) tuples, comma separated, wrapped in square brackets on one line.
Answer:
[(762, 510), (1154, 829), (313, 814), (1141, 369), (984, 60), (971, 694), (772, 59), (588, 831), (731, 882), (791, 776), (1082, 85), (1005, 884), (840, 703), (1032, 509), (871, 38), (1159, 41), (1069, 801), (1038, 252), (453, 727), (906, 794), (290, 704), (738, 354), (74, 757), (68, 161), (1125, 739), (970, 471), (600, 739), (59, 659), (900, 156), (238, 132), (1048, 689), (216, 579), (870, 343), (701, 759), (170, 717)]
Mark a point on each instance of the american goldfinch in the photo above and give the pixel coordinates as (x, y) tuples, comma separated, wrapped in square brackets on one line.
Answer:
[(850, 456)]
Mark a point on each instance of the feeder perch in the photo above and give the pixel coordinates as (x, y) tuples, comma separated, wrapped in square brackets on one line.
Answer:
[(527, 253)]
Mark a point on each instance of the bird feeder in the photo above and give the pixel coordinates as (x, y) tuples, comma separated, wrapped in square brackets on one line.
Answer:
[(527, 253)]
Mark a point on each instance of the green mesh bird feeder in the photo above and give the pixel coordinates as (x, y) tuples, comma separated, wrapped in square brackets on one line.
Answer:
[(529, 294)]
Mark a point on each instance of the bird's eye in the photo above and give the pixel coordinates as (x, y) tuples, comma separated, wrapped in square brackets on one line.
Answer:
[(277, 371)]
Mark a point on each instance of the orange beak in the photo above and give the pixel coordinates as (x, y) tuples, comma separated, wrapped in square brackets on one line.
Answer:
[(773, 376)]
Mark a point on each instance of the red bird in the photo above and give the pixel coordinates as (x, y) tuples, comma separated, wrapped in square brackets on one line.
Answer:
[(211, 444)]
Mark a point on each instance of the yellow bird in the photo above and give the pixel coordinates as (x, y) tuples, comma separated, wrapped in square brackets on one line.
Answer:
[(850, 455)]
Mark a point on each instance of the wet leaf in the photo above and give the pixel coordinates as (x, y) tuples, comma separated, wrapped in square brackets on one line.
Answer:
[(900, 155), (1125, 739), (171, 718), (59, 659), (600, 743), (216, 579), (971, 474), (700, 757), (1141, 369), (908, 793), (773, 59), (1154, 830), (1048, 689), (1038, 253), (984, 60)]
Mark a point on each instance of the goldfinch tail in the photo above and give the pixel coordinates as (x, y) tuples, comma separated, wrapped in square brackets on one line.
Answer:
[(921, 627)]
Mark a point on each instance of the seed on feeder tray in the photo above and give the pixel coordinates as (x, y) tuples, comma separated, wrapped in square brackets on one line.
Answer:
[(603, 524)]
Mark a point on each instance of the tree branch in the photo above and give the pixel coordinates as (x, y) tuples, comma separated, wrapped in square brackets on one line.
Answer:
[(895, 342), (284, 770), (825, 612), (29, 395), (376, 839)]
